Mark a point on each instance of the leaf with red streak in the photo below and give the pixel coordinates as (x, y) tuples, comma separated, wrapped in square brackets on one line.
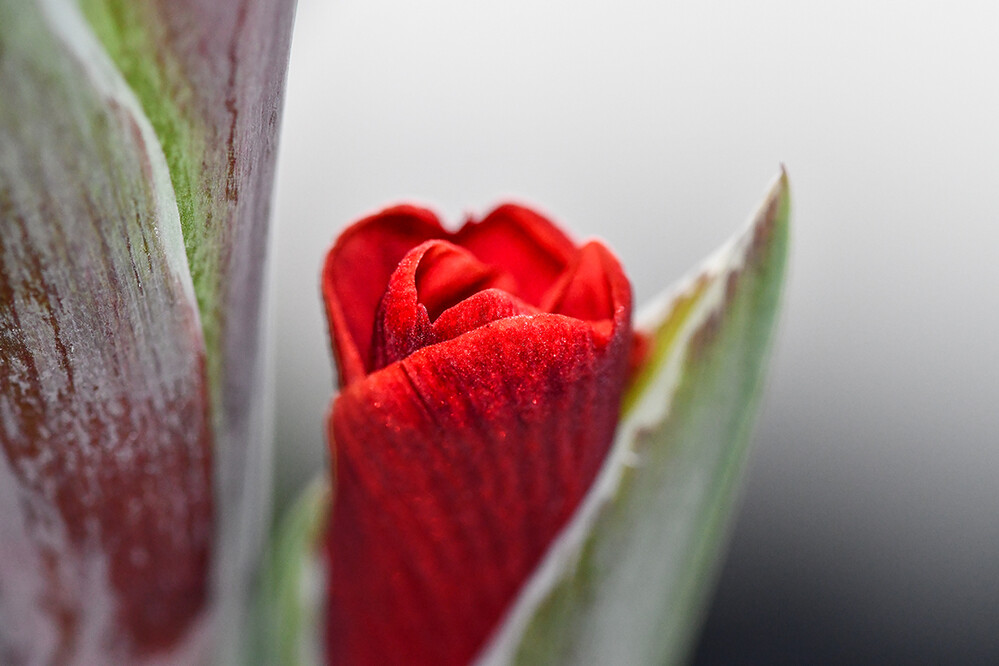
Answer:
[(210, 77), (105, 434), (138, 142)]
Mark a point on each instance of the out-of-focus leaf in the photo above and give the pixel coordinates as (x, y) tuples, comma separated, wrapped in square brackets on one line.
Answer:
[(105, 431), (293, 592), (210, 76), (626, 581)]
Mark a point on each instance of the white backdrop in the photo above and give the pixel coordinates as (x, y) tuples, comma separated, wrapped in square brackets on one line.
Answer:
[(870, 522)]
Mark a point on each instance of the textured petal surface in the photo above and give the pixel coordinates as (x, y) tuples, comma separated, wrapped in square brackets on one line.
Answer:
[(455, 468), (438, 292), (460, 459)]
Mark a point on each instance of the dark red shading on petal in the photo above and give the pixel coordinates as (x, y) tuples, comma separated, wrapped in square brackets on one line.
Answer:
[(589, 288), (356, 273), (458, 465)]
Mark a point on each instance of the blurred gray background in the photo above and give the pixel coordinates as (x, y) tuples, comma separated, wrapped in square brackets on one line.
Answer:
[(869, 527)]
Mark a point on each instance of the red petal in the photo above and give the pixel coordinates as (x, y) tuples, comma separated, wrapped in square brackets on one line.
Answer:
[(527, 245), (589, 288), (456, 468), (532, 250), (448, 275), (477, 311), (371, 249)]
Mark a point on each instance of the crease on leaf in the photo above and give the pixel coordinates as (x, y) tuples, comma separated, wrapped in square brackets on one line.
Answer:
[(210, 77), (128, 35), (70, 26), (578, 590)]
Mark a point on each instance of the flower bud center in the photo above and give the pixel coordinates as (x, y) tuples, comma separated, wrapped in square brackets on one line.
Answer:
[(447, 275)]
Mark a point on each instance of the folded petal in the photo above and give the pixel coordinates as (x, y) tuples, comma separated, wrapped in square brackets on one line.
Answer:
[(355, 276), (589, 288), (532, 249), (448, 275), (433, 277)]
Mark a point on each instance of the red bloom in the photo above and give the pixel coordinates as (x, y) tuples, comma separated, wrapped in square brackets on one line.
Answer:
[(481, 375)]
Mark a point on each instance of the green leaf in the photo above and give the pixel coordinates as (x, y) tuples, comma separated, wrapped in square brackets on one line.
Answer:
[(626, 582), (293, 590)]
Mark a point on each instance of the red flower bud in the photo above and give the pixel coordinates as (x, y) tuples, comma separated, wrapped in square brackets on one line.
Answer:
[(481, 375)]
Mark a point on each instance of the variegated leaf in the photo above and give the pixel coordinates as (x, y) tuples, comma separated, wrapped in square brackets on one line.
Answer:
[(626, 581), (105, 431), (210, 77), (137, 144)]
